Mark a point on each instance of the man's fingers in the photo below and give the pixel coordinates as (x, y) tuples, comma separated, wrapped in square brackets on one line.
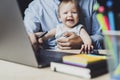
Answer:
[(62, 40), (70, 39), (63, 48), (70, 35), (67, 44), (38, 33), (40, 40)]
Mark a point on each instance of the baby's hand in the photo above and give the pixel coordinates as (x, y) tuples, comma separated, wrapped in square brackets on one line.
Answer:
[(86, 48)]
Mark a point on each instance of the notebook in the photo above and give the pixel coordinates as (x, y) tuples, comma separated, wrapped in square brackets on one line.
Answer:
[(15, 45)]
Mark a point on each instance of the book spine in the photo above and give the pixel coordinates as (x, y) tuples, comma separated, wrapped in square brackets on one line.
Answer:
[(73, 70)]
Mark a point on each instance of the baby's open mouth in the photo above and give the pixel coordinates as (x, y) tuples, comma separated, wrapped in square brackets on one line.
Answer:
[(70, 20)]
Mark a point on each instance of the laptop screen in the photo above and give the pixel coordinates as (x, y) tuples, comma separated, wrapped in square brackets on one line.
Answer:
[(15, 45), (112, 11)]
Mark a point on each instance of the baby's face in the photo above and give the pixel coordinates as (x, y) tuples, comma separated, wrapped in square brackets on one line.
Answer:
[(68, 14)]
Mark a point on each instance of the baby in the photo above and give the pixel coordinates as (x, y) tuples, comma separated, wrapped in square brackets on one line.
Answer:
[(69, 15)]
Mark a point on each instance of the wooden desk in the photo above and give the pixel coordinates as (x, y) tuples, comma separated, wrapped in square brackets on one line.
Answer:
[(13, 71)]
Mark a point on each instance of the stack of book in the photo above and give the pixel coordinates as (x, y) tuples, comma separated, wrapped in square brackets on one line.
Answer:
[(83, 65)]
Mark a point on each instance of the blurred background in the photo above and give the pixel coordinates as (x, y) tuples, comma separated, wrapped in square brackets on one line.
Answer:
[(112, 5)]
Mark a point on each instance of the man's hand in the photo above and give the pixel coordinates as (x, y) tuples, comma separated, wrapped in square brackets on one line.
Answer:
[(39, 38), (35, 41), (69, 41)]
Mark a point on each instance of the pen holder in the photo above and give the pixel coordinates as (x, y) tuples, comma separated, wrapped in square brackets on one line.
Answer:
[(112, 44)]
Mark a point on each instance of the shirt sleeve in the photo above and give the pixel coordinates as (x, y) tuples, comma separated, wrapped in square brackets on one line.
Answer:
[(31, 18), (96, 29), (96, 34)]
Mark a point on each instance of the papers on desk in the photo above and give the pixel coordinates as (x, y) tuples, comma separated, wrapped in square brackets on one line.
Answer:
[(82, 65)]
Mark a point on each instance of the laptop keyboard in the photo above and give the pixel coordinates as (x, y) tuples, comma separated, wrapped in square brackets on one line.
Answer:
[(44, 57)]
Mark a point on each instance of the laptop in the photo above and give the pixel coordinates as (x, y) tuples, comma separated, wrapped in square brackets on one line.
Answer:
[(15, 45)]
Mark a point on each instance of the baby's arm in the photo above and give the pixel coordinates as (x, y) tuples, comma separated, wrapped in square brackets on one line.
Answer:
[(41, 36), (50, 34), (85, 36), (87, 46)]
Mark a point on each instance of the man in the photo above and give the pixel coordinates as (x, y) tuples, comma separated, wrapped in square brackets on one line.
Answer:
[(41, 15)]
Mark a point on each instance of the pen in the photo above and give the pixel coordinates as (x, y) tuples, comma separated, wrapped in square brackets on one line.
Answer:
[(43, 34)]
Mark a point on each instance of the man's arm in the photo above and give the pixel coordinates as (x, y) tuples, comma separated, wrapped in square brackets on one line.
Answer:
[(31, 18), (32, 23)]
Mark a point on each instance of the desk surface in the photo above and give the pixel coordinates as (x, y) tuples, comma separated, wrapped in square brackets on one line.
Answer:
[(13, 71)]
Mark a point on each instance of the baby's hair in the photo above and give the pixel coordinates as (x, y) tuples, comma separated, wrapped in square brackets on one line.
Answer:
[(76, 2)]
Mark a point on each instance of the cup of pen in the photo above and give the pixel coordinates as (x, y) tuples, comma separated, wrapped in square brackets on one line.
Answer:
[(112, 44)]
